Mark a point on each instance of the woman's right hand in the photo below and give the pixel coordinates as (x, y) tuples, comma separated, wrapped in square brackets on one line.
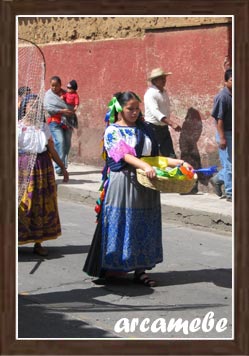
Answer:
[(138, 163), (150, 171)]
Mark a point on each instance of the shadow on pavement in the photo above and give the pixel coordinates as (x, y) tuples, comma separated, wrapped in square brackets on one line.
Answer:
[(37, 321), (63, 314), (88, 300), (25, 254), (221, 277), (46, 315)]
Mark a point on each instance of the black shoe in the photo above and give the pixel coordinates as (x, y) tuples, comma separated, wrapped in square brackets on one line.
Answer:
[(39, 250), (229, 198), (217, 186)]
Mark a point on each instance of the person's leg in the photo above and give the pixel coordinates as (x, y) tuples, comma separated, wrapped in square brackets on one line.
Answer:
[(156, 133), (218, 180), (217, 185), (165, 141), (163, 138), (220, 175), (40, 250), (228, 165), (58, 138), (67, 140)]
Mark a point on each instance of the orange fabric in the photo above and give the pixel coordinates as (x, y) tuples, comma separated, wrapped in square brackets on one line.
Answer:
[(55, 118)]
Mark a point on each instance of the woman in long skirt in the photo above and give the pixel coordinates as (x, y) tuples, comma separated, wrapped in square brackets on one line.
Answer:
[(38, 218), (128, 236)]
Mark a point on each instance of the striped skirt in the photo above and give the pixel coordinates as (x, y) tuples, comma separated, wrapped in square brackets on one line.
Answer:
[(129, 235), (38, 218)]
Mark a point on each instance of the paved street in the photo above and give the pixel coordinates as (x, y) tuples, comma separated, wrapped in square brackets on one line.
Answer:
[(202, 210), (58, 300)]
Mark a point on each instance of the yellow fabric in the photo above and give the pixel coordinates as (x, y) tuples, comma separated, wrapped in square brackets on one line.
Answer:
[(158, 161)]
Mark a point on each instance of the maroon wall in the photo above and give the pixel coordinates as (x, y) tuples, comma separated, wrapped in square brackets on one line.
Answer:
[(101, 68)]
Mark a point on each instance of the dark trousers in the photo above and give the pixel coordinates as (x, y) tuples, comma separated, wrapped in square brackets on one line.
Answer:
[(164, 140)]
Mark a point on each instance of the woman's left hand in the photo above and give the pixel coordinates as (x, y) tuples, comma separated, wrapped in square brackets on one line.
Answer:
[(188, 166)]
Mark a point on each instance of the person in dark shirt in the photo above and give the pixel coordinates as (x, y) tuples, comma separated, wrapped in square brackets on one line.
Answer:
[(222, 113)]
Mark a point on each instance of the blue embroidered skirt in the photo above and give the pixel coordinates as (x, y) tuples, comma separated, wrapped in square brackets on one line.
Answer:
[(130, 235)]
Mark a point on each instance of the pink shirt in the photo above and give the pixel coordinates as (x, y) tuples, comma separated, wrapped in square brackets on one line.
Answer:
[(71, 98)]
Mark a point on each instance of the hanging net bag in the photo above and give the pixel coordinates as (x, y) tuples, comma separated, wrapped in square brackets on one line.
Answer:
[(31, 70)]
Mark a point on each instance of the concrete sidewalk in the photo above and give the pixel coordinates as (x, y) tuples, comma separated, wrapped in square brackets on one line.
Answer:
[(202, 210)]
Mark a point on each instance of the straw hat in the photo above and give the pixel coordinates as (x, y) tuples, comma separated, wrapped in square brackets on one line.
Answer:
[(157, 72)]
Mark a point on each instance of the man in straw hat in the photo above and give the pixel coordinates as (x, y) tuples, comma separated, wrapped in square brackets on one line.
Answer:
[(157, 111)]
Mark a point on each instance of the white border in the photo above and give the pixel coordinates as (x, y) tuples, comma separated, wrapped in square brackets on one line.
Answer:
[(233, 208), (16, 162)]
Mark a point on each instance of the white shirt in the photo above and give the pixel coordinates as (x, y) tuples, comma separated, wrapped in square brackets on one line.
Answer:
[(156, 105), (32, 139), (114, 134)]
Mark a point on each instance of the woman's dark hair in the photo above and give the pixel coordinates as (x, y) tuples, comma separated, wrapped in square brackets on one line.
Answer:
[(24, 103), (23, 90), (123, 98), (228, 74), (56, 78)]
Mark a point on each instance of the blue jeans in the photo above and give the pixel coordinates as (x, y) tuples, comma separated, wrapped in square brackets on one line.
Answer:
[(62, 141), (225, 174)]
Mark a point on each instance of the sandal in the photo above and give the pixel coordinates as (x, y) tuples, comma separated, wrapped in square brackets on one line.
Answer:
[(39, 250), (143, 278)]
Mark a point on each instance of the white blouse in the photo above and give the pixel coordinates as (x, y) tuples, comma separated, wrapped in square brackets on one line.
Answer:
[(114, 134), (32, 139)]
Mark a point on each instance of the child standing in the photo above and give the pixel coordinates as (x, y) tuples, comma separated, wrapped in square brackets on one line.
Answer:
[(71, 97)]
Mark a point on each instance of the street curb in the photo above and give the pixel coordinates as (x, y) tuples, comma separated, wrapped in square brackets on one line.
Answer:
[(197, 218), (190, 217)]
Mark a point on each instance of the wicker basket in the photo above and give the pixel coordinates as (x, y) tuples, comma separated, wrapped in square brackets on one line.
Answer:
[(166, 185)]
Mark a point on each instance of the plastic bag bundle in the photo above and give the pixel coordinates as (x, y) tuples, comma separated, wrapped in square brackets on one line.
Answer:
[(160, 164)]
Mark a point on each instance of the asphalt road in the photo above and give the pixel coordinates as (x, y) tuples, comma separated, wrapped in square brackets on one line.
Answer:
[(56, 299)]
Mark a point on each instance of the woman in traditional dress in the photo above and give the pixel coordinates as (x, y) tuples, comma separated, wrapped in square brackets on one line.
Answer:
[(128, 235), (59, 122), (38, 218)]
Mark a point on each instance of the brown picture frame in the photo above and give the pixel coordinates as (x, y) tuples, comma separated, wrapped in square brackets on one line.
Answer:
[(9, 345)]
